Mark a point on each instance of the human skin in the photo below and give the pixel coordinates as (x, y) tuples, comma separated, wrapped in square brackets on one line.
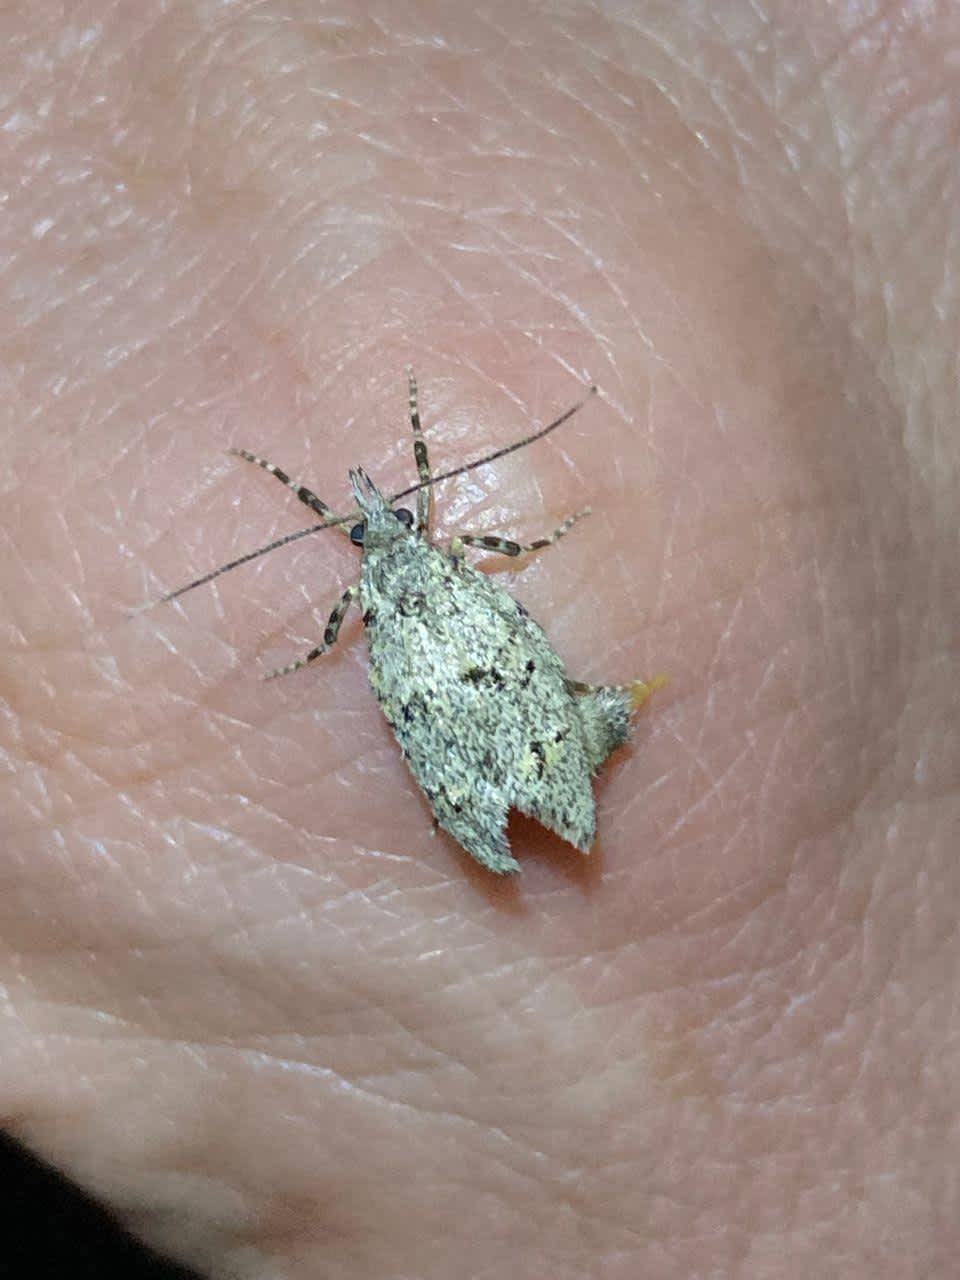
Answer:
[(249, 998)]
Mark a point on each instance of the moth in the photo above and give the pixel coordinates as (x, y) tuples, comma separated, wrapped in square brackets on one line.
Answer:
[(480, 702)]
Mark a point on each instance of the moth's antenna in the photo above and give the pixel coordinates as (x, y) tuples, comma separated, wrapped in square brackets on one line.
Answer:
[(498, 453), (235, 564), (353, 515)]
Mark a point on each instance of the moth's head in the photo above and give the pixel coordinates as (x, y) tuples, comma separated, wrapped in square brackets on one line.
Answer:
[(381, 524)]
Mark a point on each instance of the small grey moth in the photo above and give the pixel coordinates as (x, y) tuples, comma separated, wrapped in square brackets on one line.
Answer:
[(480, 702)]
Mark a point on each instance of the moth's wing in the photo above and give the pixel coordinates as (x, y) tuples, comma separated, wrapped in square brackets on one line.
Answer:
[(453, 769), (552, 778), (480, 829), (576, 823), (559, 793), (449, 768), (478, 700)]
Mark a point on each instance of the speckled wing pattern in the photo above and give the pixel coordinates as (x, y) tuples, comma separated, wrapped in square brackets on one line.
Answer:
[(480, 702)]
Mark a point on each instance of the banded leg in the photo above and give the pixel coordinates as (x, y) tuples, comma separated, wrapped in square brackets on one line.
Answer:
[(332, 630), (424, 496), (505, 546), (306, 496)]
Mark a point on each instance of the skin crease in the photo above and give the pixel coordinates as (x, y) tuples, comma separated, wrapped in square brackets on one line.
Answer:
[(248, 997)]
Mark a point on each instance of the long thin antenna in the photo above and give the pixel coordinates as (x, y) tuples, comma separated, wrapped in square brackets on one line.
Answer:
[(498, 453), (353, 515), (235, 564)]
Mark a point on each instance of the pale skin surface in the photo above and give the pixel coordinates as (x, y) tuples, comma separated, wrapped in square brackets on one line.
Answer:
[(248, 997)]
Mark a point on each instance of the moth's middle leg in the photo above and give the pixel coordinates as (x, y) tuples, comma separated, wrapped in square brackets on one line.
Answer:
[(506, 546)]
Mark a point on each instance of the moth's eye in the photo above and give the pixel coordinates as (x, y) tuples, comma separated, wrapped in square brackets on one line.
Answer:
[(357, 532), (404, 516)]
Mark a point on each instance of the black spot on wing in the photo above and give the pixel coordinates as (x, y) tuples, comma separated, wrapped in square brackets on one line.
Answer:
[(412, 604), (483, 675)]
